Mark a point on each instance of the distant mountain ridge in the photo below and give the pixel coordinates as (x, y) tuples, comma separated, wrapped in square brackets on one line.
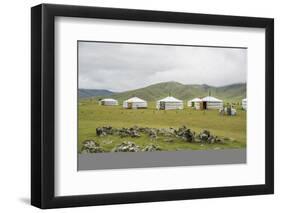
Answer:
[(233, 92), (88, 93)]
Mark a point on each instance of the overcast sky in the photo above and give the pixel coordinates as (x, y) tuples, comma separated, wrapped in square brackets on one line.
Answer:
[(121, 67)]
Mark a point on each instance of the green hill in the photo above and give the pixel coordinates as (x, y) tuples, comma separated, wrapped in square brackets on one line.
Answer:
[(88, 93), (230, 93)]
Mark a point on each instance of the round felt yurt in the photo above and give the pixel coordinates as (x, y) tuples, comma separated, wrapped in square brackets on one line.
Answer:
[(108, 102), (210, 102), (195, 103), (244, 103), (169, 103), (134, 103)]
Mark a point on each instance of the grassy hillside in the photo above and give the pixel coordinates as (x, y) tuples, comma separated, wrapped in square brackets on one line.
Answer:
[(230, 93)]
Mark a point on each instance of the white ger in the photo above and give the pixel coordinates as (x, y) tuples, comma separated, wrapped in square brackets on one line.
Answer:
[(169, 103), (134, 103), (244, 103), (195, 102), (210, 102), (108, 102)]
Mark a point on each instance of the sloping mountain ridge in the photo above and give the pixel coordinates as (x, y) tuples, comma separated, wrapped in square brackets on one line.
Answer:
[(87, 93), (229, 93), (234, 92)]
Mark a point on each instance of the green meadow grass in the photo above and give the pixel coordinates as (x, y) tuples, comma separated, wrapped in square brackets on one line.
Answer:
[(92, 115)]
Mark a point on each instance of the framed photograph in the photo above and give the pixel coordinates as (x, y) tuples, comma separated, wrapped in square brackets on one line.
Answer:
[(139, 106)]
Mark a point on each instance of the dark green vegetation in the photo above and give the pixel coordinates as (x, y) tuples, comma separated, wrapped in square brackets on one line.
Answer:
[(87, 93), (91, 116), (230, 93)]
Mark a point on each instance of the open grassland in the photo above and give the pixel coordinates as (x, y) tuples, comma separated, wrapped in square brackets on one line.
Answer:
[(92, 115)]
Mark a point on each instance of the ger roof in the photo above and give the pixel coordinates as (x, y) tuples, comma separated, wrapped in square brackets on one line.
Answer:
[(211, 99), (108, 99), (170, 99), (135, 99)]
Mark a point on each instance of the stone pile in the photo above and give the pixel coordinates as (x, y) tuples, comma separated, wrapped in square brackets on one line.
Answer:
[(128, 132), (206, 137), (90, 146), (151, 148), (168, 134), (105, 130), (127, 147), (185, 133), (152, 133)]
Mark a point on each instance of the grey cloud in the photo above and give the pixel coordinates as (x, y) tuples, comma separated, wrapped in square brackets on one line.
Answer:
[(121, 67)]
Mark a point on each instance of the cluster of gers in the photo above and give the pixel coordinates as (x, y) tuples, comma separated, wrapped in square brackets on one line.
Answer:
[(171, 103)]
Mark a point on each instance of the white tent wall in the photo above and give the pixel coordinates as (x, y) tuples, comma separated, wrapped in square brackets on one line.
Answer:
[(109, 102), (214, 105), (170, 105), (210, 102), (134, 105), (197, 105)]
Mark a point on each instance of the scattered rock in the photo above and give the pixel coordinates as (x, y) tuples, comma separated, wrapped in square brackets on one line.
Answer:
[(134, 133), (151, 148), (168, 134), (105, 130), (219, 140), (185, 134), (143, 129), (211, 139), (206, 137), (91, 146), (127, 147), (128, 132), (123, 133), (152, 133)]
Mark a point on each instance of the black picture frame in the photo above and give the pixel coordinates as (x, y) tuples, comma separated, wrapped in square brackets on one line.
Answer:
[(43, 105)]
